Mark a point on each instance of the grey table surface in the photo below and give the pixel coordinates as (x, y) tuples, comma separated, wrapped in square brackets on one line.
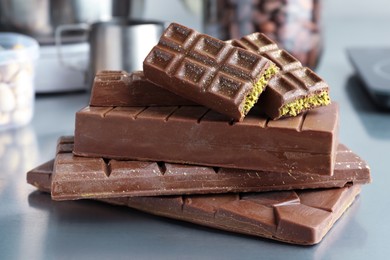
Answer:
[(34, 227)]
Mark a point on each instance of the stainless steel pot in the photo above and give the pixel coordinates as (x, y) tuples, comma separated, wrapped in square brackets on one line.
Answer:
[(133, 41), (40, 18)]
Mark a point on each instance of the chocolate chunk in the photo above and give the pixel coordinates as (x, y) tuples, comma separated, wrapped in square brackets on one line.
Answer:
[(41, 175), (297, 217), (208, 71), (119, 88), (303, 144), (295, 89), (81, 177), (290, 221)]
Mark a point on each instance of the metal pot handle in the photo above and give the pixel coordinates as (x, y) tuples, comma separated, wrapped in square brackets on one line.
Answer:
[(58, 41)]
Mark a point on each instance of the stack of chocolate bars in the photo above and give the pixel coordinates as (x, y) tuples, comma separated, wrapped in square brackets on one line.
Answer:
[(233, 135)]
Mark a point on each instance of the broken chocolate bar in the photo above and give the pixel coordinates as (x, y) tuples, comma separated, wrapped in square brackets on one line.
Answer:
[(297, 217), (208, 71), (294, 92), (195, 135), (295, 89), (81, 177), (119, 88)]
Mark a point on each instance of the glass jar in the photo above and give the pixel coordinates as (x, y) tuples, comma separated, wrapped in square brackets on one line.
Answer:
[(293, 24), (17, 56)]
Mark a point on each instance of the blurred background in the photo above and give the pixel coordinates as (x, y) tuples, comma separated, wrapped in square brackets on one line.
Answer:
[(69, 48), (68, 31)]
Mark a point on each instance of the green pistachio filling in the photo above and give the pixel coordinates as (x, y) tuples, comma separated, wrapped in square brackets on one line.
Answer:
[(299, 105), (258, 88)]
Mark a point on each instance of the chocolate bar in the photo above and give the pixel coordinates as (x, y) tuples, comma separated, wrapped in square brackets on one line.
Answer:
[(195, 135), (208, 71), (295, 89), (119, 88), (81, 177), (297, 217)]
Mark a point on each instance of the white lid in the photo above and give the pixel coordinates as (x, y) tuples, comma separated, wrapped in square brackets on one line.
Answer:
[(30, 50)]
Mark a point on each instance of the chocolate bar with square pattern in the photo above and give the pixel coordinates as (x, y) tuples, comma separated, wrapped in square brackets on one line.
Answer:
[(195, 135), (295, 89), (208, 71), (119, 88), (301, 217), (82, 177)]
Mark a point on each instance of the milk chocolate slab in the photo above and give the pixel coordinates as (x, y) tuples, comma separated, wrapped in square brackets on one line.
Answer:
[(295, 89), (208, 71), (41, 175), (301, 217), (119, 88), (194, 135), (82, 177)]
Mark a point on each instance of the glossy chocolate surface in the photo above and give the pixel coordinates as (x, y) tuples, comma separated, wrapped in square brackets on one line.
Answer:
[(206, 70), (80, 177), (297, 217), (119, 88), (195, 135), (294, 82)]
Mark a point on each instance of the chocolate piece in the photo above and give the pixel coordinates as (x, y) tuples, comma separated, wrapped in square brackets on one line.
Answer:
[(295, 89), (303, 144), (208, 71), (294, 92), (119, 88), (259, 43), (282, 216), (297, 217), (81, 177), (41, 175)]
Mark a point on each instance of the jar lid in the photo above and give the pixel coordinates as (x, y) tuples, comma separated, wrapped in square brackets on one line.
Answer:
[(17, 48)]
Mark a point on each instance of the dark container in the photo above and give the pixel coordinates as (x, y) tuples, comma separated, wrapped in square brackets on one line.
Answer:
[(294, 24)]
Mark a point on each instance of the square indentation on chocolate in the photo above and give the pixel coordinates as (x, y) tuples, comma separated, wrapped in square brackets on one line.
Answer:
[(307, 76), (210, 47), (243, 59), (285, 84), (168, 43), (160, 58), (225, 86), (192, 72), (284, 60), (259, 42), (178, 33)]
